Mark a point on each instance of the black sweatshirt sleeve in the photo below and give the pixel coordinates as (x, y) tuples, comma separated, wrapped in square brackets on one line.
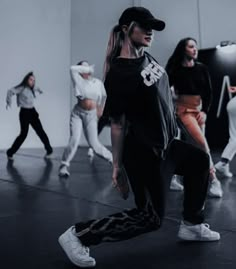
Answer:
[(115, 105)]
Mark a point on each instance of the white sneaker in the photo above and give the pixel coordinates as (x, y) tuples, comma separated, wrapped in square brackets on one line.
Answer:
[(175, 184), (75, 251), (215, 189), (10, 158), (223, 169), (63, 171), (199, 232), (90, 153), (48, 156)]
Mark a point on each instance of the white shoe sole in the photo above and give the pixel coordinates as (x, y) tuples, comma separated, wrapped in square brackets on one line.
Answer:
[(218, 194), (190, 237), (63, 174), (222, 174), (48, 157), (214, 195), (63, 241), (176, 188)]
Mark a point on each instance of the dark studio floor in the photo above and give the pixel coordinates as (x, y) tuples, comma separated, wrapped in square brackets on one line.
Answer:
[(36, 207)]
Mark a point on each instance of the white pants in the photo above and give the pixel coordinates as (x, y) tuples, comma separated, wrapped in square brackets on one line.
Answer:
[(84, 120), (230, 149)]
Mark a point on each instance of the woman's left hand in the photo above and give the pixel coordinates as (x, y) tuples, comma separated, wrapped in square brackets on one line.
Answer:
[(201, 118)]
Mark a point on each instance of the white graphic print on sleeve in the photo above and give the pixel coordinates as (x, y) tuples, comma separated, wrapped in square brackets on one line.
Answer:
[(152, 73)]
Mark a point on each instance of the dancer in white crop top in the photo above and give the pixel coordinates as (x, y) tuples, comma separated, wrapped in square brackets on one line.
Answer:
[(91, 98)]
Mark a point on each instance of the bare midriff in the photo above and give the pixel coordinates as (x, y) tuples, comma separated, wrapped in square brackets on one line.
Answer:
[(87, 104), (189, 101)]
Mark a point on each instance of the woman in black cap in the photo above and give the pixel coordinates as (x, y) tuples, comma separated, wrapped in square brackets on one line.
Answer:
[(142, 130)]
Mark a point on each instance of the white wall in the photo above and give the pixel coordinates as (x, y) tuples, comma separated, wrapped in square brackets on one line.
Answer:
[(35, 35), (181, 20), (209, 21), (217, 21)]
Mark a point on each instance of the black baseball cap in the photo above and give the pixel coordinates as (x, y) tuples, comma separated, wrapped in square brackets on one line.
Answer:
[(142, 16)]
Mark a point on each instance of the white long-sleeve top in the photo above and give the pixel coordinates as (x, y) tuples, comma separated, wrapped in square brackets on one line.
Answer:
[(87, 88), (24, 96)]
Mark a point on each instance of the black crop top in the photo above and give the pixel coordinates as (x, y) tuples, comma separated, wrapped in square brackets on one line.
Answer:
[(193, 80)]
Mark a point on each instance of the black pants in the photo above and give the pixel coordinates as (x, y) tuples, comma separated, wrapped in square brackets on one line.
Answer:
[(29, 117), (150, 179)]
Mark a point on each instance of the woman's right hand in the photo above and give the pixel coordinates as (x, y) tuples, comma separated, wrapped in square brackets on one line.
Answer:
[(120, 181), (232, 89), (201, 118), (7, 106)]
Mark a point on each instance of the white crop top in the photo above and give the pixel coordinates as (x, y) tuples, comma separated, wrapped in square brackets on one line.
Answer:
[(87, 88)]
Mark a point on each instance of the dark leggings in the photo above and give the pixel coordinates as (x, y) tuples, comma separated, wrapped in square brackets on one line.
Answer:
[(29, 116), (150, 178)]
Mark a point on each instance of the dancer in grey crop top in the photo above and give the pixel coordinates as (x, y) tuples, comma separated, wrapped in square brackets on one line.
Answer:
[(25, 94), (91, 97)]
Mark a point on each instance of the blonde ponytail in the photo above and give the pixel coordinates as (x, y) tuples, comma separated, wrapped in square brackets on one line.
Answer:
[(114, 46)]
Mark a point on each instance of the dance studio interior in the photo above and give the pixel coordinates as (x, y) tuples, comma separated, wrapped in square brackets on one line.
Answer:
[(48, 184)]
